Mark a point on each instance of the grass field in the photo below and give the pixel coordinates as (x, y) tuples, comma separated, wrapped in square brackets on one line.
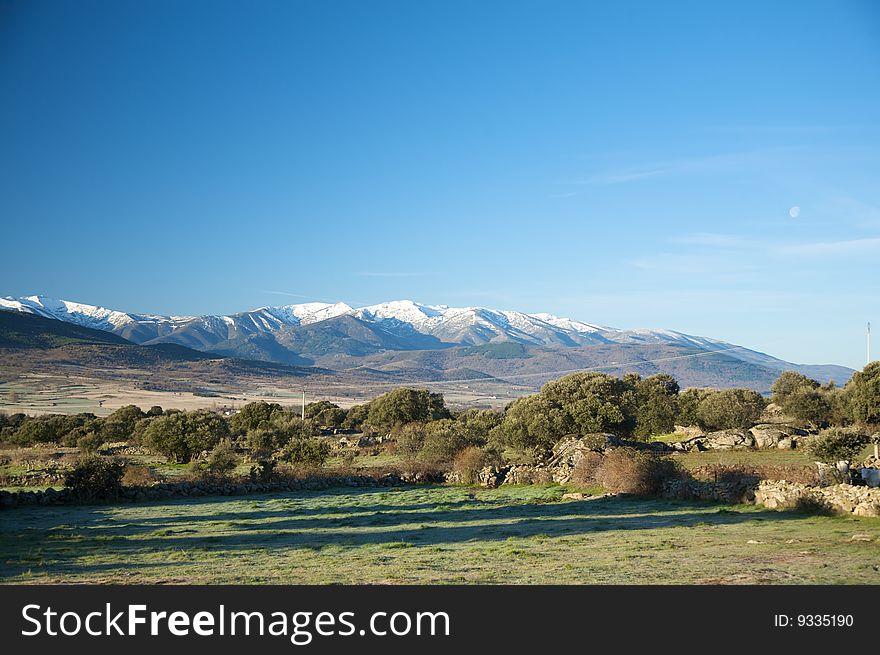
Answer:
[(433, 535)]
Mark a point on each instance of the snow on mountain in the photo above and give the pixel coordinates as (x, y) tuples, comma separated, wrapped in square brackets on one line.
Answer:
[(81, 314), (405, 319), (310, 312)]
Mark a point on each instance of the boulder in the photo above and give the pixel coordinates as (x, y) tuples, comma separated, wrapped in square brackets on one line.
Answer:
[(729, 439)]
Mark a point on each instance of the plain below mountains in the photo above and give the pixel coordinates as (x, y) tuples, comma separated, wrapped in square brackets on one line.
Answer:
[(423, 343)]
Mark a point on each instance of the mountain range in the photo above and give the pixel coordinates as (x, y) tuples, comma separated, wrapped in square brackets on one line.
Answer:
[(434, 342)]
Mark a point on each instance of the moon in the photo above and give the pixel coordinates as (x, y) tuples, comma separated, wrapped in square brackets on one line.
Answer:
[(794, 212)]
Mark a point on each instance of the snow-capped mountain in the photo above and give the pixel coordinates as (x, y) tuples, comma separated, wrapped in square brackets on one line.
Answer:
[(283, 333), (393, 335), (450, 325)]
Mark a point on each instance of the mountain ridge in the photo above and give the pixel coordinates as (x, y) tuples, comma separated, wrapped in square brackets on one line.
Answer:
[(341, 337)]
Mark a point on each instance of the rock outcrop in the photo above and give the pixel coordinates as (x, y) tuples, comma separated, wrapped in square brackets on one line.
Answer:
[(836, 499)]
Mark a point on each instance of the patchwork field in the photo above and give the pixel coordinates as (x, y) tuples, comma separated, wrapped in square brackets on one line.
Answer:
[(429, 535)]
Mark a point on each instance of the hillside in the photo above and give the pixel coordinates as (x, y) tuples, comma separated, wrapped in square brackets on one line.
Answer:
[(411, 342)]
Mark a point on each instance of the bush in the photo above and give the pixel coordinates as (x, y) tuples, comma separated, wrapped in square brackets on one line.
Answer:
[(139, 476), (864, 396), (836, 444), (306, 451), (222, 460), (626, 470), (410, 440), (468, 464), (586, 471), (730, 409), (403, 406), (262, 442), (253, 416), (263, 470), (443, 441), (95, 478), (90, 442), (182, 435)]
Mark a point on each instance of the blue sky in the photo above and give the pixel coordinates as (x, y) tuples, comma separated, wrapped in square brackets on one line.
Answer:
[(627, 163)]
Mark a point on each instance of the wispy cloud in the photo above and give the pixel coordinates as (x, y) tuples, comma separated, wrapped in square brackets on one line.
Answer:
[(394, 274), (712, 240), (685, 166), (864, 214), (869, 245), (291, 295)]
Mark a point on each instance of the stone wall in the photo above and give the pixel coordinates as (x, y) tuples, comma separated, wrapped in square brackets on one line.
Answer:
[(198, 489), (837, 499), (782, 495)]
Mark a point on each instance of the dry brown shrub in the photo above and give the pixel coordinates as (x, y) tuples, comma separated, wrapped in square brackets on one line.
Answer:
[(468, 464), (626, 470), (139, 476), (585, 471)]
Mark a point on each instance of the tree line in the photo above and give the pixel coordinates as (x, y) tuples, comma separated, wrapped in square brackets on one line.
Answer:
[(424, 427)]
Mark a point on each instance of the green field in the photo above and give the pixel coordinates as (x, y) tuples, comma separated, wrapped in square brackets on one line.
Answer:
[(442, 534)]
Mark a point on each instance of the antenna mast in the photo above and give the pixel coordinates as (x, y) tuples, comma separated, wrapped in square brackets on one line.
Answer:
[(869, 342)]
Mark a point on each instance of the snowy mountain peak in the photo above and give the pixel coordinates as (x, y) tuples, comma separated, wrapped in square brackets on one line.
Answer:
[(405, 319)]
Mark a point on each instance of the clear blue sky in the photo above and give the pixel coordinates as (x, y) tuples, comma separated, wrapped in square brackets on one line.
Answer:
[(626, 163)]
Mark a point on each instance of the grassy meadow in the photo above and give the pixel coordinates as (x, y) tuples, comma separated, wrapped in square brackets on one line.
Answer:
[(432, 535)]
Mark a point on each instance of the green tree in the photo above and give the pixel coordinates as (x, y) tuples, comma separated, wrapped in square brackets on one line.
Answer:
[(688, 402), (182, 435), (262, 442), (356, 416), (120, 425), (307, 451), (580, 403), (325, 414), (223, 459), (836, 444), (409, 439), (864, 396), (811, 405), (730, 408), (788, 384), (254, 415), (405, 405), (656, 400)]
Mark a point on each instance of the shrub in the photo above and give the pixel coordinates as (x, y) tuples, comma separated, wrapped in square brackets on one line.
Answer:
[(404, 405), (864, 395), (443, 441), (586, 471), (468, 464), (222, 460), (263, 470), (410, 440), (262, 442), (182, 435), (95, 478), (253, 416), (836, 444), (139, 476), (730, 408), (90, 442), (306, 451), (626, 470)]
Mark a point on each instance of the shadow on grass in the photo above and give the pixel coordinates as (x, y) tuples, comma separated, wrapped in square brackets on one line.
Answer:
[(63, 549)]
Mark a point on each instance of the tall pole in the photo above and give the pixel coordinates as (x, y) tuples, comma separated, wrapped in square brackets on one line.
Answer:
[(869, 342), (303, 422)]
